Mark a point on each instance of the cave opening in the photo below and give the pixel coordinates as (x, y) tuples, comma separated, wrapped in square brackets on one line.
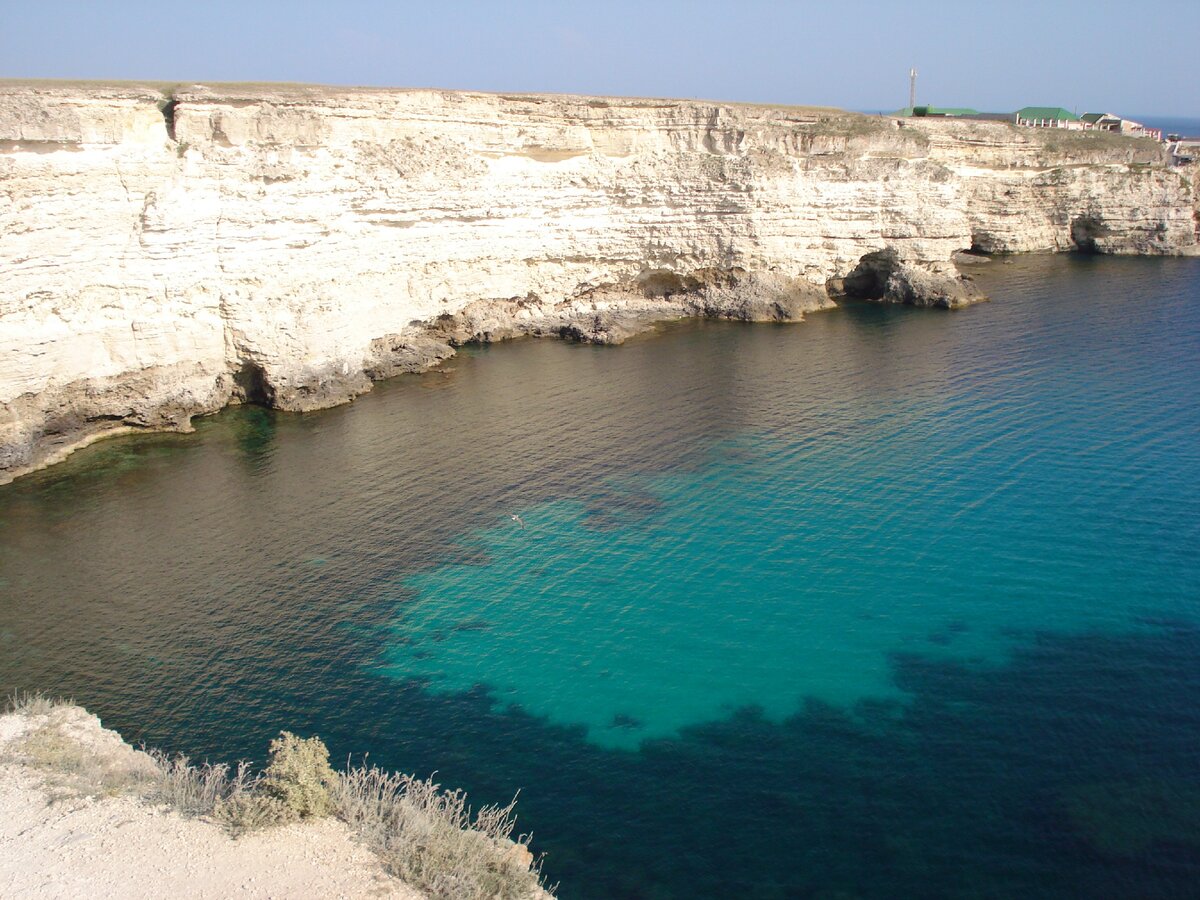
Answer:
[(251, 384), (870, 278), (168, 114), (660, 283), (982, 244), (1085, 232)]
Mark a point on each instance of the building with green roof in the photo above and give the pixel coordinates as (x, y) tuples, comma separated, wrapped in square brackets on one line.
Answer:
[(1047, 117), (934, 111)]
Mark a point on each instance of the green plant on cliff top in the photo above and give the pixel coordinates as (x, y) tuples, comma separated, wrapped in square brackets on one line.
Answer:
[(299, 776)]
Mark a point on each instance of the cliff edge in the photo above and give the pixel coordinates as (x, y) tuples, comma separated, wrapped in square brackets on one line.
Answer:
[(165, 251), (61, 842), (85, 814)]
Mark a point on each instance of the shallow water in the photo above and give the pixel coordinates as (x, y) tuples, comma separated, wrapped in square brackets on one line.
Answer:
[(894, 602)]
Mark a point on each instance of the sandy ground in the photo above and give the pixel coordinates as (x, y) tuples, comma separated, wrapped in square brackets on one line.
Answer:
[(119, 847)]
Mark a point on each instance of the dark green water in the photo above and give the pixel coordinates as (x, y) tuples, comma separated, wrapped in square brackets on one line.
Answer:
[(891, 603)]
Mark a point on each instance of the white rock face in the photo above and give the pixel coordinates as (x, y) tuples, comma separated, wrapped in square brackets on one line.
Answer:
[(161, 259)]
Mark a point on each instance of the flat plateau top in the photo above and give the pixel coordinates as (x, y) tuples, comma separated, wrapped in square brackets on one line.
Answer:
[(284, 91)]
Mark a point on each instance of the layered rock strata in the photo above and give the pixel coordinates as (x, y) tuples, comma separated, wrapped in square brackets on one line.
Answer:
[(164, 252)]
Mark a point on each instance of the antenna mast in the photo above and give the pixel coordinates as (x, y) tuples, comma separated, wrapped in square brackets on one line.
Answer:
[(912, 87)]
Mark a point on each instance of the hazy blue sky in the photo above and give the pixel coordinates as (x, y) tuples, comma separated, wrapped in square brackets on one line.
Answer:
[(1130, 57)]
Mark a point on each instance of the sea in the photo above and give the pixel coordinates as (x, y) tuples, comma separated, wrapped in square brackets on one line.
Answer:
[(893, 602), (1182, 126)]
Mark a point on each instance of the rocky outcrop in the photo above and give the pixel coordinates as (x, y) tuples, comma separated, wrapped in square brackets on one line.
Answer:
[(166, 252), (884, 275)]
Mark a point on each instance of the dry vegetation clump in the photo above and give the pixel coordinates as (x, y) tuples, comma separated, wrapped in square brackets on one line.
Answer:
[(297, 784), (428, 837), (34, 703), (1099, 146), (210, 789), (49, 749), (845, 129)]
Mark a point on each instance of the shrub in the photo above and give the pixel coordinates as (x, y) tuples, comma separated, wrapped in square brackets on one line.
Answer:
[(233, 799), (244, 812), (299, 776)]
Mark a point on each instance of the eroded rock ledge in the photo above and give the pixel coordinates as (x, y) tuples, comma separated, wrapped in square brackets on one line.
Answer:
[(165, 251)]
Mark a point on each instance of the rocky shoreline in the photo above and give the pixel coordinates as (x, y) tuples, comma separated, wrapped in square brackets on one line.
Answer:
[(168, 250)]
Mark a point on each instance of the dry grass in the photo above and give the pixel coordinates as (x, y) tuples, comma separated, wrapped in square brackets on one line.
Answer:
[(428, 836), (197, 790), (295, 89), (72, 769), (1095, 147), (34, 703), (856, 126)]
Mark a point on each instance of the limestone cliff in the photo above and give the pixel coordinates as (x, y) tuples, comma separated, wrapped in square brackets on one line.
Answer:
[(164, 252)]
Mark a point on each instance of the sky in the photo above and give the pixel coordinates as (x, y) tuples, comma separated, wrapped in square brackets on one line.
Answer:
[(1127, 57)]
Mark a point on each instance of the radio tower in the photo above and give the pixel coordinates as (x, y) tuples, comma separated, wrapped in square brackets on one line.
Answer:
[(912, 87)]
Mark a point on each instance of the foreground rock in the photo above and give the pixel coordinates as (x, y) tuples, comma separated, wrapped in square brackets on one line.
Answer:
[(166, 252), (58, 843)]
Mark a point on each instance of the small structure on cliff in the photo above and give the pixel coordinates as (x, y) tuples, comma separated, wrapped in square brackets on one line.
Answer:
[(1036, 117), (1183, 151), (952, 112), (935, 112), (1048, 117), (1114, 123), (1057, 117)]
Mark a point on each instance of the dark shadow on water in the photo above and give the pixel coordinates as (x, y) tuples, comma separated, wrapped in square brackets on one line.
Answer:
[(612, 509), (254, 429)]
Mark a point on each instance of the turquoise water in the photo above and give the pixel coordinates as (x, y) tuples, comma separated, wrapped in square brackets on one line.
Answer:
[(950, 516), (894, 602)]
